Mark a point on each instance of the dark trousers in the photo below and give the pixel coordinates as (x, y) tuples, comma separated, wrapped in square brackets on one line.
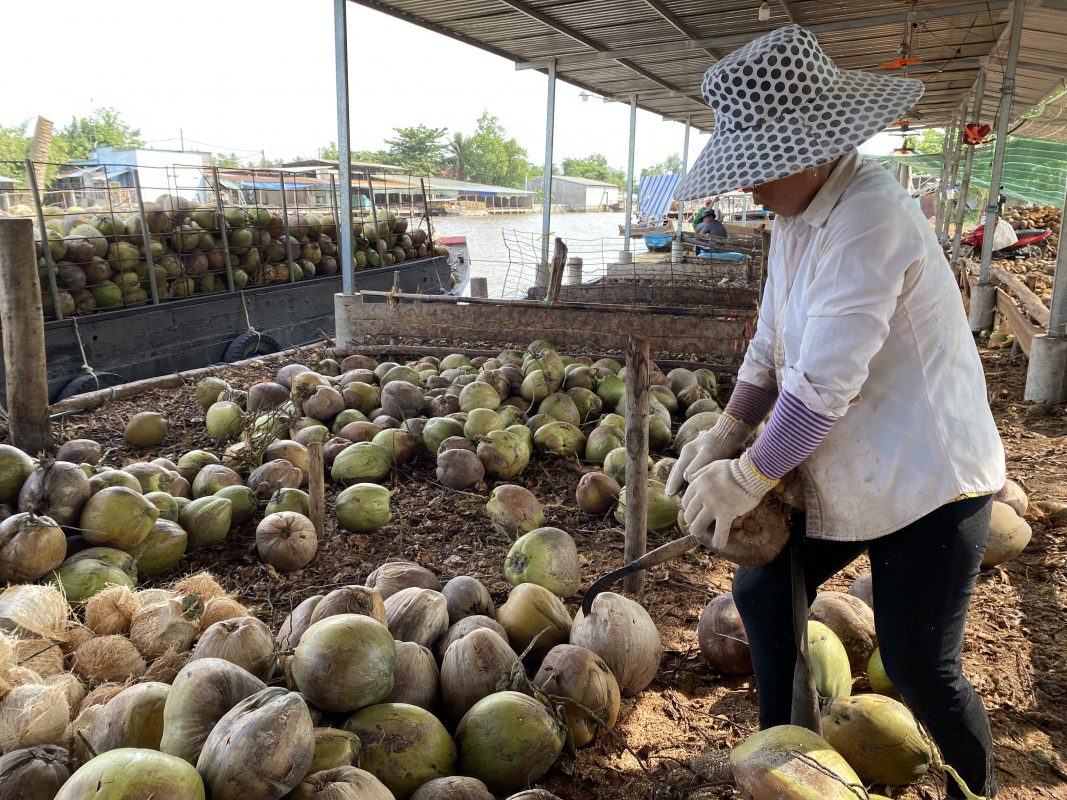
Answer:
[(923, 578)]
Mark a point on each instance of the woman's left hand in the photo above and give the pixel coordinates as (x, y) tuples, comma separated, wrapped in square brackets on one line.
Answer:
[(719, 494)]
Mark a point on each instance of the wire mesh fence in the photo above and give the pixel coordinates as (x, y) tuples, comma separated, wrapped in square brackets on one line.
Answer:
[(205, 229)]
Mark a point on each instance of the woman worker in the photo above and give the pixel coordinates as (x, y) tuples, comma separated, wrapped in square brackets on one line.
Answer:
[(865, 361)]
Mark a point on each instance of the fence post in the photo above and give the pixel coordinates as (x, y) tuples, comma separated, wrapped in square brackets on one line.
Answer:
[(22, 319)]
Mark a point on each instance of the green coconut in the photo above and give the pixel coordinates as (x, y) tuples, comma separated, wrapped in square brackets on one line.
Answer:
[(224, 421), (1009, 533), (437, 429), (160, 551), (15, 468), (877, 677), (345, 662), (479, 395), (662, 508), (508, 740), (597, 493), (696, 424), (145, 429), (535, 387), (361, 462), (589, 405), (243, 503), (81, 577), (503, 453), (206, 520), (480, 422), (514, 510), (547, 557), (611, 390), (117, 517), (829, 662), (398, 443), (208, 390), (134, 774), (167, 505), (334, 748), (602, 440), (561, 438), (107, 478), (878, 737), (295, 500), (364, 507), (791, 762), (190, 464), (532, 615), (403, 746)]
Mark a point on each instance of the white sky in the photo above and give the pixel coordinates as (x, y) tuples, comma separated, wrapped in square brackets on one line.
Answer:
[(234, 75)]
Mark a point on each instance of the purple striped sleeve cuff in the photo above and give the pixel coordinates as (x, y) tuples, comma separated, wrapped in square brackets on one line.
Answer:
[(793, 433), (750, 403)]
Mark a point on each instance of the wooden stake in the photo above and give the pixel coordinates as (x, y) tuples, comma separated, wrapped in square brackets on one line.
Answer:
[(317, 488), (22, 322), (559, 259), (637, 410)]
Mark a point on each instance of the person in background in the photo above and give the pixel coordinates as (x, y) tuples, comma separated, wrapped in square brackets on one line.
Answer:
[(710, 226), (1001, 201), (701, 213), (864, 360)]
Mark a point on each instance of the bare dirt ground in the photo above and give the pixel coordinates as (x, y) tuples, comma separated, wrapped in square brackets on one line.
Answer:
[(673, 740)]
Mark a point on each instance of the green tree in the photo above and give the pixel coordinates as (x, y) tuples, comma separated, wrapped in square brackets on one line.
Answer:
[(931, 141), (672, 164), (595, 167), (103, 127), (14, 148), (330, 152), (494, 157), (228, 160), (457, 155), (419, 149), (371, 157)]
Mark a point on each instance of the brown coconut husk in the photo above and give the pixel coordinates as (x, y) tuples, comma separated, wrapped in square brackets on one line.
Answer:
[(166, 626), (33, 611), (33, 714), (147, 597), (71, 684), (218, 609), (111, 611), (202, 584), (108, 658), (757, 537), (166, 668), (77, 635), (43, 657)]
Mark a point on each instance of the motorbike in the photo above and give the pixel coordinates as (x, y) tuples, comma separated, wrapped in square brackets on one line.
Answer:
[(1033, 242)]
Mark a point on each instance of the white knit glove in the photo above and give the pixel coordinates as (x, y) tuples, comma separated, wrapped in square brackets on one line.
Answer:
[(719, 494), (722, 441)]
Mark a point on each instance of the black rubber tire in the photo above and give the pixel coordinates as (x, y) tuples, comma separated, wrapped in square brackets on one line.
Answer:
[(89, 383), (249, 344)]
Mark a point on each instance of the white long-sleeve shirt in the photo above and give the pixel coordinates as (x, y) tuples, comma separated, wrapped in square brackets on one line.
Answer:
[(862, 321)]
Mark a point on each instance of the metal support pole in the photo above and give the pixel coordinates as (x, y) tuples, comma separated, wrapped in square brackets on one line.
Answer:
[(285, 226), (344, 153), (541, 274), (379, 245), (954, 168), (46, 251), (221, 217), (153, 286), (630, 173), (942, 200), (685, 170), (1007, 95), (968, 163), (1057, 318)]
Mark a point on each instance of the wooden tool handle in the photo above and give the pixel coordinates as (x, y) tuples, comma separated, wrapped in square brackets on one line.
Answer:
[(666, 552)]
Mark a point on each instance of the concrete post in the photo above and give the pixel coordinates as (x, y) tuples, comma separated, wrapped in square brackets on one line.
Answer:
[(344, 154), (1046, 374)]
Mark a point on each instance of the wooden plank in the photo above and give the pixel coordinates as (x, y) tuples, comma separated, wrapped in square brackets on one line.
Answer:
[(559, 259), (28, 422), (1024, 330), (706, 335), (717, 297), (637, 410), (1030, 301), (317, 488)]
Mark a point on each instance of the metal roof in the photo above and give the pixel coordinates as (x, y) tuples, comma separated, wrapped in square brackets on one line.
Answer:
[(659, 50), (575, 179), (466, 187)]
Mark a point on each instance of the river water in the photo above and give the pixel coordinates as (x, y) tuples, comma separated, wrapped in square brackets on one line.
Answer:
[(505, 249)]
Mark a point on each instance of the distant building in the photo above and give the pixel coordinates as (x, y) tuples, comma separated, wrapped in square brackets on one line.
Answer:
[(580, 194), (108, 176)]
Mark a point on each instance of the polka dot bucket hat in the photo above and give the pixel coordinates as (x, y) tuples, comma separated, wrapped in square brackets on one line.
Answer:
[(782, 106)]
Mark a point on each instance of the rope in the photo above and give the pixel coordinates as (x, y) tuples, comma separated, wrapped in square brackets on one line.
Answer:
[(248, 321), (85, 360)]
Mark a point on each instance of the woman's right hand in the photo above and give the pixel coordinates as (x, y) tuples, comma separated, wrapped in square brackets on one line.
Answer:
[(725, 440)]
